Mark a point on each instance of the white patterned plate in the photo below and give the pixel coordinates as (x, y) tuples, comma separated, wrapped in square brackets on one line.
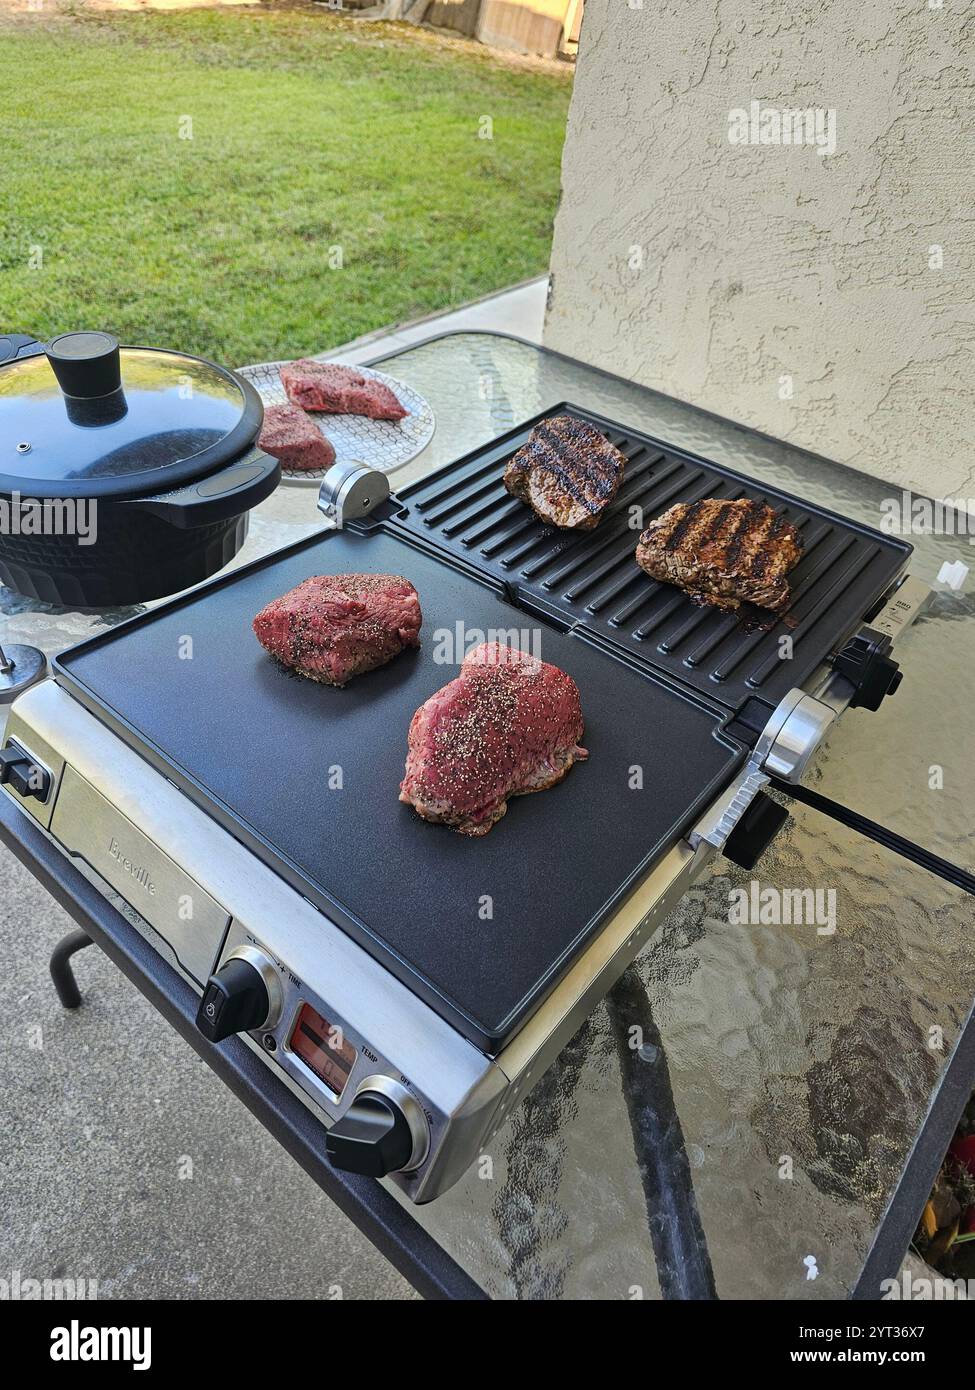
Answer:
[(382, 444)]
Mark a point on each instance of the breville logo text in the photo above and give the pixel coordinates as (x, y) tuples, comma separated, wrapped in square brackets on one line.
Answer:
[(138, 872), (77, 1343)]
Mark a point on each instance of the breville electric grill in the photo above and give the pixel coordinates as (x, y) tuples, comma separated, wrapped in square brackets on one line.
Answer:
[(411, 985)]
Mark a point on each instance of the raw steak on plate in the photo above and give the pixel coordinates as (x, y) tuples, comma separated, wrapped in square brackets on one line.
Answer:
[(294, 439), (339, 390)]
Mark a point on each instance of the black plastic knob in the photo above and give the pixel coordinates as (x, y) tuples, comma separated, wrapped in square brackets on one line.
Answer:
[(758, 827), (373, 1137), (234, 1001), (86, 364), (21, 772), (867, 662)]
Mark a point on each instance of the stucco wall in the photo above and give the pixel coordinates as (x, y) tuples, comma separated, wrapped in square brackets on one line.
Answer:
[(730, 275)]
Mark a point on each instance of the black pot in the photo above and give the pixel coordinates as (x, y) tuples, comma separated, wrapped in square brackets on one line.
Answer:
[(125, 474)]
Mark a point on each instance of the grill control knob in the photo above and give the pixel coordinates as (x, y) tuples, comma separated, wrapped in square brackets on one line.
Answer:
[(242, 995), (374, 1136)]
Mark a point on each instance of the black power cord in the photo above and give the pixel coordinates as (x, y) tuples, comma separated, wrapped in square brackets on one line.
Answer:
[(898, 844)]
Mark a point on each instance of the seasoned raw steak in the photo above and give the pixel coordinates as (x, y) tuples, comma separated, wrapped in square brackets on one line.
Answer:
[(335, 626), (290, 436), (509, 724), (339, 390), (567, 472), (723, 553)]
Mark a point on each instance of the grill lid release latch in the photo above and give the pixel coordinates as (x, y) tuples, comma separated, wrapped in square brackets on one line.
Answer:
[(866, 662)]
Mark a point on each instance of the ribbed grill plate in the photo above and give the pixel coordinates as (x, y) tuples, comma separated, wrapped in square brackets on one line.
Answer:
[(592, 579)]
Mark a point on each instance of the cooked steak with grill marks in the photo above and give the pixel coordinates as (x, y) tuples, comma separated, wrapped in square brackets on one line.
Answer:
[(296, 440), (508, 725), (336, 626), (567, 472), (339, 390), (723, 553)]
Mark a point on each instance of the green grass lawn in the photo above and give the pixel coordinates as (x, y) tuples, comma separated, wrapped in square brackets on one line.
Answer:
[(310, 132)]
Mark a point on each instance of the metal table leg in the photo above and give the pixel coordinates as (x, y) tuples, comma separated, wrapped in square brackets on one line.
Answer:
[(676, 1231), (61, 972)]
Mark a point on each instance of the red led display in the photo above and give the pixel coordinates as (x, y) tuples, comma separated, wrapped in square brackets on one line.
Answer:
[(322, 1048)]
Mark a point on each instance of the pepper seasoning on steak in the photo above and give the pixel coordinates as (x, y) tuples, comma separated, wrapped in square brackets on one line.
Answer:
[(508, 725), (336, 626)]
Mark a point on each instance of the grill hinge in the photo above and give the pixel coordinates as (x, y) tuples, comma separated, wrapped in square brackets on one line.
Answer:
[(532, 604), (350, 491), (744, 821)]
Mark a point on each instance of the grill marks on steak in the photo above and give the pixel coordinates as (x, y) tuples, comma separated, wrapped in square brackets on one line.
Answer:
[(291, 437), (567, 472), (336, 626), (723, 553), (508, 725), (338, 390)]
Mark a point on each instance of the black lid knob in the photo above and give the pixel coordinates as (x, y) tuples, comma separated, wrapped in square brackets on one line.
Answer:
[(373, 1137), (85, 364), (234, 1001)]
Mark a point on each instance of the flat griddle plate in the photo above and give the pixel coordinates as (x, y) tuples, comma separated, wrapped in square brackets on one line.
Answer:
[(481, 928)]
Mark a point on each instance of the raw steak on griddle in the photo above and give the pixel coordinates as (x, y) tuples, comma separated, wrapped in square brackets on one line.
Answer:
[(509, 724), (336, 626)]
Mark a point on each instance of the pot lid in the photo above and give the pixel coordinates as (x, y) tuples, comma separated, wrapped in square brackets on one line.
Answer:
[(82, 417)]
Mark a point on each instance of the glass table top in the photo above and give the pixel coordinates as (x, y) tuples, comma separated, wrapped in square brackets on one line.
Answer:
[(785, 1071)]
